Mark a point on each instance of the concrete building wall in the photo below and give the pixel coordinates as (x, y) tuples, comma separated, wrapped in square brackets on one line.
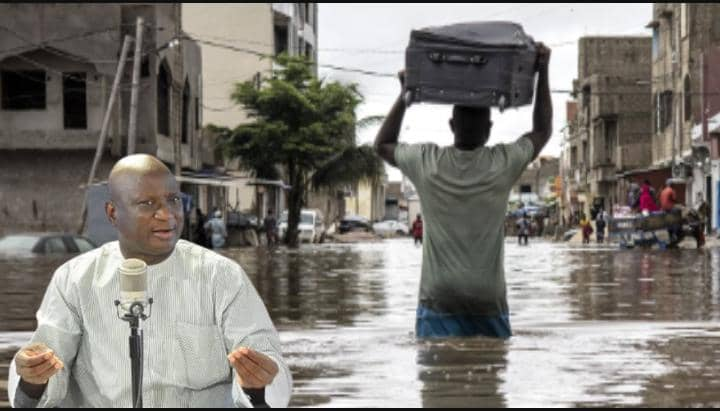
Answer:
[(61, 26), (330, 202), (44, 190), (682, 32), (414, 208), (43, 165), (613, 128), (44, 128), (539, 177), (626, 56), (65, 29), (368, 200), (249, 26)]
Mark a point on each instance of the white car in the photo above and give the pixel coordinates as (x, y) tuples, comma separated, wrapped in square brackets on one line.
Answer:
[(391, 228), (311, 227)]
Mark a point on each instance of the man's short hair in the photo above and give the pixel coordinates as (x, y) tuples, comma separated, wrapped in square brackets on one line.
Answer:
[(471, 112)]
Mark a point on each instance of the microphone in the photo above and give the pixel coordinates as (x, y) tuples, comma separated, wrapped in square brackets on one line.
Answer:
[(133, 287), (132, 303)]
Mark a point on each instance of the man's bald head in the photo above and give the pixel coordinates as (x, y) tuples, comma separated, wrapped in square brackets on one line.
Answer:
[(127, 172), (145, 207)]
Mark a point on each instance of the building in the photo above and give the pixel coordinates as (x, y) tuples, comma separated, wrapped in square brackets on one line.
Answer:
[(610, 129), (237, 38), (684, 37), (393, 201), (706, 137), (368, 199), (573, 200), (537, 182), (57, 65)]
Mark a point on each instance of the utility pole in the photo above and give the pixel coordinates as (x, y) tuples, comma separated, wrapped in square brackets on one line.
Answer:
[(132, 129), (105, 124)]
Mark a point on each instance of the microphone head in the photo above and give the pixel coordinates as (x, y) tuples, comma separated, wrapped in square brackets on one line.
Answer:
[(133, 281)]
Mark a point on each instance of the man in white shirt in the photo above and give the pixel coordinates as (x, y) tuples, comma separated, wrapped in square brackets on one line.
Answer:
[(209, 343)]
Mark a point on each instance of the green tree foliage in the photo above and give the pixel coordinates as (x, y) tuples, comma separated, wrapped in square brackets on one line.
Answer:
[(303, 129)]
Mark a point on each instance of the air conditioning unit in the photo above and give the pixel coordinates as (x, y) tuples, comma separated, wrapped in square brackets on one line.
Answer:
[(681, 171)]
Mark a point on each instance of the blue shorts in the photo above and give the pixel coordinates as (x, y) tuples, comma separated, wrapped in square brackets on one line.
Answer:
[(433, 324)]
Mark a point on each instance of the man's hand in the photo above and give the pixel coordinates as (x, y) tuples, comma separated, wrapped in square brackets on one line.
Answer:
[(543, 56), (254, 370), (36, 363)]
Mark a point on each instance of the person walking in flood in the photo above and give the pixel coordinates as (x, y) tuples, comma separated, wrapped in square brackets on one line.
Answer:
[(600, 224), (464, 191), (523, 227), (586, 228), (417, 230), (218, 232), (647, 199)]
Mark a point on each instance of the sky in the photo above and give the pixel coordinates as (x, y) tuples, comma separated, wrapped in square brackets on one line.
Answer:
[(373, 37)]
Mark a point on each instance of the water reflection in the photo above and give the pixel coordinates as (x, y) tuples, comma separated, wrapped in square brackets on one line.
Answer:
[(462, 373), (23, 285), (673, 285), (319, 286), (592, 327)]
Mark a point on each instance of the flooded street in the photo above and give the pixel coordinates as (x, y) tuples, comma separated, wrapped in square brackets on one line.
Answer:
[(592, 327)]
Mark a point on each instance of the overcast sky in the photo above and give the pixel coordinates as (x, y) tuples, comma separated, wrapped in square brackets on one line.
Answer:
[(374, 36)]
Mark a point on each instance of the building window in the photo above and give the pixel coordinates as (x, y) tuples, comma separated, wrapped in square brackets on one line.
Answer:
[(145, 67), (656, 42), (656, 103), (666, 105), (185, 113), (584, 152), (197, 113), (671, 31), (309, 51), (573, 157), (610, 141), (23, 90), (687, 97), (163, 101), (586, 97), (74, 101), (281, 39)]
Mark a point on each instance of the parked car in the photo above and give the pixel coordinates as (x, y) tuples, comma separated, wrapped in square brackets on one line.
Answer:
[(241, 220), (530, 210), (354, 223), (311, 227), (44, 243), (390, 228)]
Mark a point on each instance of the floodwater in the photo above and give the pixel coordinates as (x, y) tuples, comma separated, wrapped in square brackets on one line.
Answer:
[(592, 327)]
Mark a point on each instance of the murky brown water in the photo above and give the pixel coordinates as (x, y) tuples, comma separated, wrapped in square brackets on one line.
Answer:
[(593, 327)]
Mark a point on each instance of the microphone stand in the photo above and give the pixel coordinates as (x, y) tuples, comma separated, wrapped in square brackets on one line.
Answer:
[(133, 316)]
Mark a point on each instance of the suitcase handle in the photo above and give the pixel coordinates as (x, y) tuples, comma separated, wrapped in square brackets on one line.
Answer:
[(437, 57)]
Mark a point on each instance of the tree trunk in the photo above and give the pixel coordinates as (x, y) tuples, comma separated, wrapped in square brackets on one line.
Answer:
[(295, 204)]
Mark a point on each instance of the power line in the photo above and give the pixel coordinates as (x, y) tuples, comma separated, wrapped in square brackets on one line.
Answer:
[(47, 42)]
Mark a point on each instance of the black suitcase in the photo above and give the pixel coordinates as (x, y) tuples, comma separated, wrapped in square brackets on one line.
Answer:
[(487, 64)]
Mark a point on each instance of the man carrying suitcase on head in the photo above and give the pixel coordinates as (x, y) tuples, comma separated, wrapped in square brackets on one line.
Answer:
[(464, 190)]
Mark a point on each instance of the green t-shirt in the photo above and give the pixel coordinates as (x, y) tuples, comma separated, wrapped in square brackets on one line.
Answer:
[(464, 197)]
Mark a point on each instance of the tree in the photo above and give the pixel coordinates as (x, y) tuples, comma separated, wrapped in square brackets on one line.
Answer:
[(304, 130)]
